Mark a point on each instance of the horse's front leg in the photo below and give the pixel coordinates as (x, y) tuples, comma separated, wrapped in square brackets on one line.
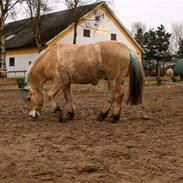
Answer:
[(69, 102), (51, 94)]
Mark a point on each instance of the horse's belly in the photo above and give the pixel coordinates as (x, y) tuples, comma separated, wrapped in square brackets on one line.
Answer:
[(87, 76)]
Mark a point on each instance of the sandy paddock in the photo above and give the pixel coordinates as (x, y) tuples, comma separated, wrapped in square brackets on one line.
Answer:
[(145, 146)]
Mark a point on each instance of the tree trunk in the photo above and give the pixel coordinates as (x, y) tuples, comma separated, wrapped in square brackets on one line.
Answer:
[(149, 66), (38, 43), (157, 70), (37, 33), (38, 38), (75, 32), (158, 73), (164, 68), (2, 46), (38, 27)]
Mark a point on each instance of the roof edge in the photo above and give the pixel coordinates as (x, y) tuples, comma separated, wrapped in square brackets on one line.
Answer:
[(122, 25)]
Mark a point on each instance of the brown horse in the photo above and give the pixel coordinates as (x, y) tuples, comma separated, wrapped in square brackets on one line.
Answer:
[(65, 64)]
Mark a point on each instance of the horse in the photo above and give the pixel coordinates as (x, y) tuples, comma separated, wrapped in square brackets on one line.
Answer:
[(169, 73), (65, 64)]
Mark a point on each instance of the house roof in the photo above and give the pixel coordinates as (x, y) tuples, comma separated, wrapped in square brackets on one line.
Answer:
[(19, 33)]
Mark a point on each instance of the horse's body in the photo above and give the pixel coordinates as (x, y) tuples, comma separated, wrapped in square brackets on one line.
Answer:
[(64, 64)]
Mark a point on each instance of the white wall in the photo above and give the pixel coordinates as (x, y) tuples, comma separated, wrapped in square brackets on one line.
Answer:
[(21, 63), (100, 32)]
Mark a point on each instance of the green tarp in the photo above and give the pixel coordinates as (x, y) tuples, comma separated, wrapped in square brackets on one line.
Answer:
[(21, 82), (178, 70)]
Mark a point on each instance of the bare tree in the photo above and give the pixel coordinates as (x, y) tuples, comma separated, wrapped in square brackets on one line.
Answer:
[(6, 9), (177, 36), (37, 8), (136, 26), (73, 6)]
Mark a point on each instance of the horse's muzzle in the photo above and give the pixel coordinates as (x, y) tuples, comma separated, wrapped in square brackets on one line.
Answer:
[(34, 114)]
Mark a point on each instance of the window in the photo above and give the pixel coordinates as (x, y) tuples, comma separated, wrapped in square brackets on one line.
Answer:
[(2, 64), (86, 33), (11, 61), (114, 37)]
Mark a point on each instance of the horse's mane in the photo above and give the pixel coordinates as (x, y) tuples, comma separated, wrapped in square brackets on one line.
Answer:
[(42, 53)]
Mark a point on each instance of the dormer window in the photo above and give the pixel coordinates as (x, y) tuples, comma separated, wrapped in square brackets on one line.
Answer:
[(86, 33), (114, 37)]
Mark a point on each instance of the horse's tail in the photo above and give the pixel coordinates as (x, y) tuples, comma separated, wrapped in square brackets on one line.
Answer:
[(136, 80)]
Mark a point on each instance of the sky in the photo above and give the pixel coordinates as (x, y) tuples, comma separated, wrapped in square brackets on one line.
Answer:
[(152, 13)]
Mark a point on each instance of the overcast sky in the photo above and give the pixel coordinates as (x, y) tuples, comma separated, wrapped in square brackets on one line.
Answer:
[(150, 12)]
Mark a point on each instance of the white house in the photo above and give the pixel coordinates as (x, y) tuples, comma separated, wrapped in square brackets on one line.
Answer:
[(97, 23)]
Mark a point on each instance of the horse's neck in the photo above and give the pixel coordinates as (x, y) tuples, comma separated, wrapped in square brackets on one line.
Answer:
[(36, 78)]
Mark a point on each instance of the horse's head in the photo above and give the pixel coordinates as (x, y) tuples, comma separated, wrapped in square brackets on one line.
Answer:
[(34, 100)]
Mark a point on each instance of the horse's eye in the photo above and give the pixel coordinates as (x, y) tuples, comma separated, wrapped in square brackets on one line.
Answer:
[(28, 99)]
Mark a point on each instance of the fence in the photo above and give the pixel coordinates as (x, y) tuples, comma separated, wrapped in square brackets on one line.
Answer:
[(16, 74)]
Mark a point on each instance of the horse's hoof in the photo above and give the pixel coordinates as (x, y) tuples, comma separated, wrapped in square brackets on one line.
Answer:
[(70, 115), (115, 118), (102, 116), (57, 109), (60, 116)]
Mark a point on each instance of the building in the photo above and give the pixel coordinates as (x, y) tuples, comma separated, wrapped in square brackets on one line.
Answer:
[(97, 23)]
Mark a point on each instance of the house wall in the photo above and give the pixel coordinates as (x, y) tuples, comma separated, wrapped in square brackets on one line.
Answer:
[(100, 30), (21, 64)]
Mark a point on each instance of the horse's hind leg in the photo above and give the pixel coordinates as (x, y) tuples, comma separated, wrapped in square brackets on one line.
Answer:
[(69, 102), (109, 103), (118, 93)]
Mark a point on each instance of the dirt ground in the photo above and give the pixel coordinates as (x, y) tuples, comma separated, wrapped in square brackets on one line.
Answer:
[(145, 146)]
